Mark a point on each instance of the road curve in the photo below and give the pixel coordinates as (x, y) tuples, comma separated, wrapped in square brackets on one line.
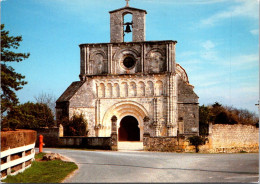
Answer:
[(112, 166)]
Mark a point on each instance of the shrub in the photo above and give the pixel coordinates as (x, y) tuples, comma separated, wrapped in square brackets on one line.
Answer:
[(196, 141), (76, 126)]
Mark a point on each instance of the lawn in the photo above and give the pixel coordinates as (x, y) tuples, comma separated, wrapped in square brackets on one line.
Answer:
[(44, 172)]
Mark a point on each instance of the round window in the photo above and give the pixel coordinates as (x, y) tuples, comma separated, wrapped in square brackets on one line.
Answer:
[(129, 62)]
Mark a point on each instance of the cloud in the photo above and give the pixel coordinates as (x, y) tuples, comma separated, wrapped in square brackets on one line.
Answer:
[(254, 31), (209, 52), (243, 62), (244, 8), (208, 45)]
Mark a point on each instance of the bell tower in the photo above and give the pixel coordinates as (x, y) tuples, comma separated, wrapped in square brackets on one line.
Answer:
[(118, 26)]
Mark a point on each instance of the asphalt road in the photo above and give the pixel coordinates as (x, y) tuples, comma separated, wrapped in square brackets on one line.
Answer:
[(111, 166)]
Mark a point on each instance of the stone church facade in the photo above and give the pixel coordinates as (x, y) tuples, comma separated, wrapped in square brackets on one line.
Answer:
[(136, 85)]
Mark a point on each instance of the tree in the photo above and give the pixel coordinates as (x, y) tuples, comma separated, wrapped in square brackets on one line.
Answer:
[(218, 114), (197, 141), (48, 99), (204, 120), (76, 126), (29, 116), (10, 80)]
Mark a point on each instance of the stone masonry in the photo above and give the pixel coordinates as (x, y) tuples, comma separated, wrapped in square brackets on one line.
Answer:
[(138, 79)]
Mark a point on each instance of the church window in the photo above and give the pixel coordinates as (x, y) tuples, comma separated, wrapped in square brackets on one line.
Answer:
[(129, 62)]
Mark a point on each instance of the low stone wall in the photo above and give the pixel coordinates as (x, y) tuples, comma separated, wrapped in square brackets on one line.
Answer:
[(86, 142), (50, 136), (167, 144), (232, 139)]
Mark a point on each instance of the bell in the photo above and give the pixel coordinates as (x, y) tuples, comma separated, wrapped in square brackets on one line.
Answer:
[(128, 29)]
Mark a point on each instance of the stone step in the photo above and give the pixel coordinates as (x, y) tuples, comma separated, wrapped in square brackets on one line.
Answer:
[(130, 145)]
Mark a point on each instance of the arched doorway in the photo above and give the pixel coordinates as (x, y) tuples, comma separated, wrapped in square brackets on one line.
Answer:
[(129, 130)]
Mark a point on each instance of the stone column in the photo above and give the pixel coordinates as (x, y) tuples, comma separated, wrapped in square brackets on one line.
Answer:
[(146, 124), (170, 132), (114, 133), (157, 126)]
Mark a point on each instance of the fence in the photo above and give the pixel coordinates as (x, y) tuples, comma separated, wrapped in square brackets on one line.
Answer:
[(16, 160)]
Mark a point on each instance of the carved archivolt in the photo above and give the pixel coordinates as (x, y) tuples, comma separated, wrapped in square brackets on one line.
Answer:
[(130, 89), (121, 54), (182, 73)]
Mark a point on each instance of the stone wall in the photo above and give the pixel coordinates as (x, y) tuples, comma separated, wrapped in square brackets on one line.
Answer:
[(188, 109), (167, 144), (86, 142), (117, 21), (50, 136), (232, 139)]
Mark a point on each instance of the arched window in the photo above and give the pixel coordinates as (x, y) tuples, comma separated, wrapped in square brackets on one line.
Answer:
[(141, 89), (150, 88), (132, 89), (124, 90), (102, 90), (159, 88)]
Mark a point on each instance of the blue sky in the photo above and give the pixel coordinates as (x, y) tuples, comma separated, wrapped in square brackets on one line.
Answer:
[(218, 42)]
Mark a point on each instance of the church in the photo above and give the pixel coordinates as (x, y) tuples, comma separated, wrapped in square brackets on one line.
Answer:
[(131, 88)]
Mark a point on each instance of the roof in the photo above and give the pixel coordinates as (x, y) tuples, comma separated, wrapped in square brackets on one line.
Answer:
[(128, 7), (70, 91)]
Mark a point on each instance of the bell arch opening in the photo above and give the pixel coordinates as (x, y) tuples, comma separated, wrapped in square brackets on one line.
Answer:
[(128, 25), (129, 130)]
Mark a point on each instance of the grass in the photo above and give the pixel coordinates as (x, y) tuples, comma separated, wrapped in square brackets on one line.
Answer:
[(44, 172)]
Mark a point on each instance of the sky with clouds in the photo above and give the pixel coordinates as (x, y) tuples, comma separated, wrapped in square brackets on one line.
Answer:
[(218, 42)]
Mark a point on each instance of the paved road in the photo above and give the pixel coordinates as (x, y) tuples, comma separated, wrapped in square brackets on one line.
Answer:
[(110, 166)]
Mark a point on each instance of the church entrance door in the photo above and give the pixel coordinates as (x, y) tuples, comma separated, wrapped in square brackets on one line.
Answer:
[(129, 130)]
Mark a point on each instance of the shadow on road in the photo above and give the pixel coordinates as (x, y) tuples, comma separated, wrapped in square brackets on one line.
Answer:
[(183, 169)]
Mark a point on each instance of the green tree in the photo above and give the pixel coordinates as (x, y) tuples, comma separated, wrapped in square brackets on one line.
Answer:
[(204, 115), (218, 114), (29, 116), (197, 141), (10, 80), (76, 126)]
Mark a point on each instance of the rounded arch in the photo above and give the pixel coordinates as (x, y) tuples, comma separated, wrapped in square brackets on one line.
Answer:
[(101, 52), (109, 90), (122, 52), (129, 130), (132, 89), (122, 109), (150, 88), (101, 90), (161, 51), (159, 88), (141, 89), (126, 12)]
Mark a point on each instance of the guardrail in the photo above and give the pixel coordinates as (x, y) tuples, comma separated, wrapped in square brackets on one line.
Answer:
[(16, 160)]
